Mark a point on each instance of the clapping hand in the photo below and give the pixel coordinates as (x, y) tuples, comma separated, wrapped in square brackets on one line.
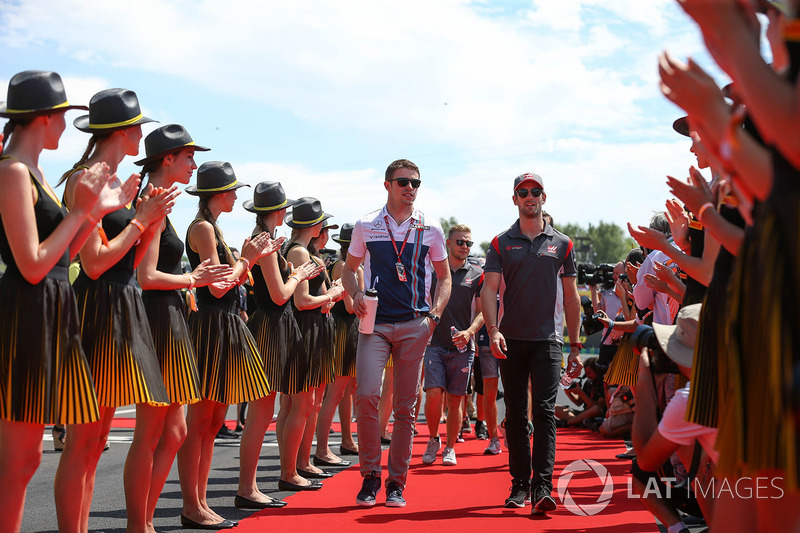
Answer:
[(208, 274)]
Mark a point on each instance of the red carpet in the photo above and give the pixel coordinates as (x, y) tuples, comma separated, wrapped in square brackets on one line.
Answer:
[(469, 496)]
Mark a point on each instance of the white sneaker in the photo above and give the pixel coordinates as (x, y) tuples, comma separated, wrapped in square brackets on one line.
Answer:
[(429, 457), (493, 448), (449, 456)]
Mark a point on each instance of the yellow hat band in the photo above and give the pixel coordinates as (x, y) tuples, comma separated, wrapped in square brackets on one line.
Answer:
[(65, 104), (128, 122), (219, 189), (257, 208), (310, 222)]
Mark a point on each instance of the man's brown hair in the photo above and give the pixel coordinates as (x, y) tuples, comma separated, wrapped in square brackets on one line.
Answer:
[(400, 163)]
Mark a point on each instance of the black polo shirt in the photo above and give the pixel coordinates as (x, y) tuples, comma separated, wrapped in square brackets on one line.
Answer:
[(467, 284), (531, 291)]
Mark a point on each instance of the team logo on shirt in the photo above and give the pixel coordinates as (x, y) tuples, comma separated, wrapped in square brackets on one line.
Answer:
[(513, 247), (468, 281), (552, 249), (377, 224)]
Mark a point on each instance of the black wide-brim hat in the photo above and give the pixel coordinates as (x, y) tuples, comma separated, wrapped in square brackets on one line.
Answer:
[(346, 234), (167, 140), (268, 196), (214, 177), (681, 126), (326, 225), (306, 212), (35, 92), (111, 110)]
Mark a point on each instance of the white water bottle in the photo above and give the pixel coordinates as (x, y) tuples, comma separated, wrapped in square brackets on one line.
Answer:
[(566, 379), (367, 323), (453, 332)]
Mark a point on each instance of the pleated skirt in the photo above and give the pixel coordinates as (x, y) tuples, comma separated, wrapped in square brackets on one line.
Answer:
[(44, 374), (119, 346), (166, 314), (758, 425), (278, 340), (230, 366), (318, 336), (345, 345), (624, 368)]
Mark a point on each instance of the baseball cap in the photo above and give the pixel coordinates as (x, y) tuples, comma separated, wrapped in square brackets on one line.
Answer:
[(536, 178)]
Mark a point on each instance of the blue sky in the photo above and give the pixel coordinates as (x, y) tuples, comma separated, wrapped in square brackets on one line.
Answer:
[(321, 96)]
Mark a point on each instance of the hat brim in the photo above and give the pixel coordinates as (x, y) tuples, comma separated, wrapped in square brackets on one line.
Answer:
[(337, 238), (165, 153), (677, 351), (28, 114), (292, 224), (332, 226), (192, 189), (249, 205), (82, 123), (681, 126)]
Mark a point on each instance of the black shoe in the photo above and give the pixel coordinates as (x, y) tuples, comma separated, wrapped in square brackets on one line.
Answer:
[(225, 433), (240, 502), (346, 451), (322, 462), (285, 485), (191, 524), (481, 431), (500, 395), (369, 489), (394, 495), (313, 475), (520, 494), (384, 440), (543, 502)]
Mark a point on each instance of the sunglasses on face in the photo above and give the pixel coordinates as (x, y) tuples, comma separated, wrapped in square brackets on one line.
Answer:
[(523, 193), (403, 182), (460, 242)]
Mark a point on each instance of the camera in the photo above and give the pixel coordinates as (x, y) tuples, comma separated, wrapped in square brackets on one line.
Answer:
[(590, 323), (645, 337), (591, 274), (626, 396)]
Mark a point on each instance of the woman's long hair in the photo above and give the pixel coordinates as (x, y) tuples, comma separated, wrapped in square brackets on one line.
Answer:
[(81, 161), (205, 214)]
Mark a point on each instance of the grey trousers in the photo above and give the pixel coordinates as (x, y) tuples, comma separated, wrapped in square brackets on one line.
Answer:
[(406, 342)]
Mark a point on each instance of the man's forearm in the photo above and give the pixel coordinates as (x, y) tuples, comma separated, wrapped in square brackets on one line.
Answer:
[(349, 281)]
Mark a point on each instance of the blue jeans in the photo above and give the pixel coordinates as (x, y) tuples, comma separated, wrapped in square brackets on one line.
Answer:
[(540, 363)]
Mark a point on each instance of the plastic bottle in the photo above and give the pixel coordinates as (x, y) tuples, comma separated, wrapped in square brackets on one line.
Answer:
[(367, 324), (453, 332), (566, 379)]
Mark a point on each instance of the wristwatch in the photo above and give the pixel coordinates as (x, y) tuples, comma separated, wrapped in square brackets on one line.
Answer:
[(434, 318), (577, 345)]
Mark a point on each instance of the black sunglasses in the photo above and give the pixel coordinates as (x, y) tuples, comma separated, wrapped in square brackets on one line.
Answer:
[(403, 182), (460, 242), (523, 193)]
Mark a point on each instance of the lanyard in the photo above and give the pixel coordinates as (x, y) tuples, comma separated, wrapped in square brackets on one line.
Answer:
[(391, 237)]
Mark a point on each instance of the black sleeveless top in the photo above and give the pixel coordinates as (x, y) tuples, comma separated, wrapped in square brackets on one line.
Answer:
[(230, 299), (338, 310), (170, 251), (723, 267), (315, 284), (49, 213), (695, 291), (261, 291), (122, 271)]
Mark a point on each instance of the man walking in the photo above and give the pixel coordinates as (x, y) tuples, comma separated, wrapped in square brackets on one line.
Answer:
[(449, 358), (535, 266), (400, 249)]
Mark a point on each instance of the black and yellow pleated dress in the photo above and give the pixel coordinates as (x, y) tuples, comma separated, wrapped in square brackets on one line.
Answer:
[(230, 367), (345, 326), (708, 377), (757, 430), (276, 333), (317, 330), (624, 367), (114, 329), (166, 314), (45, 377)]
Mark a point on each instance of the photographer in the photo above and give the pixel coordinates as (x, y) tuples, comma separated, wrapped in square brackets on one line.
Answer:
[(660, 431), (589, 394), (664, 306), (606, 300)]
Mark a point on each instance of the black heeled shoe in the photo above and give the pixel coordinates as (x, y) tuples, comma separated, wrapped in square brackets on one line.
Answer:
[(189, 523), (240, 502), (346, 451), (59, 436)]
